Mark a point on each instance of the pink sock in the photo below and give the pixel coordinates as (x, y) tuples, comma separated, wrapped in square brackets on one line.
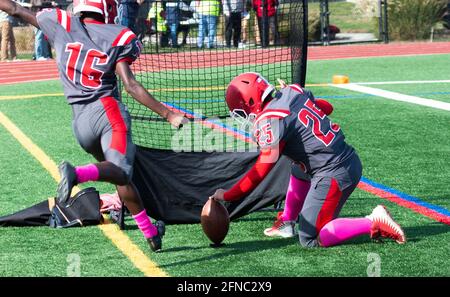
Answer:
[(145, 225), (295, 197), (340, 230), (86, 173)]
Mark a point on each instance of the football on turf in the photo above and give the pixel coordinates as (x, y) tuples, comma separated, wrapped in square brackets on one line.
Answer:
[(215, 221)]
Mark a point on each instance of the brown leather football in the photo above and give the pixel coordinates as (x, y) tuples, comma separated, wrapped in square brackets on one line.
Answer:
[(215, 221)]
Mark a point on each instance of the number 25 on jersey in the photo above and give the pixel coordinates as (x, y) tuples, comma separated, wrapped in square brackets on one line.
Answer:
[(312, 114)]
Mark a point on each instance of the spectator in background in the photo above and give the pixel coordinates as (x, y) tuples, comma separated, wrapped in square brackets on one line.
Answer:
[(143, 11), (173, 15), (157, 17), (185, 16), (256, 30), (208, 12), (269, 10), (7, 38), (128, 13), (112, 11), (42, 50), (232, 9), (245, 17), (41, 46)]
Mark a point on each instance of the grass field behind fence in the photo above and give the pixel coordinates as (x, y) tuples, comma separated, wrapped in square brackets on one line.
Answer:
[(403, 146)]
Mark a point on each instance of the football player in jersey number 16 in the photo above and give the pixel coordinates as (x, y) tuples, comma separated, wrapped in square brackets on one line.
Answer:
[(89, 53), (293, 123)]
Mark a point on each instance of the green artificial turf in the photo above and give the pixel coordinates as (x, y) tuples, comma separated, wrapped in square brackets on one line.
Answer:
[(401, 145), (42, 251), (380, 69)]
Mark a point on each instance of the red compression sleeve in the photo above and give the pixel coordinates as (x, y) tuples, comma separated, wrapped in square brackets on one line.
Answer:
[(255, 175)]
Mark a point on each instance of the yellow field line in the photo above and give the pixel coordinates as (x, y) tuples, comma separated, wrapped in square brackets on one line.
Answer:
[(317, 85), (212, 88), (129, 249), (111, 231), (15, 97)]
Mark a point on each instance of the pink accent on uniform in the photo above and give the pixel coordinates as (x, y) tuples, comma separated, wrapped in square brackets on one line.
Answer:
[(295, 196), (110, 202), (145, 225), (340, 230), (86, 173)]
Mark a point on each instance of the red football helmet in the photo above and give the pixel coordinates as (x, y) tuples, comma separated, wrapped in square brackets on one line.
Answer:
[(246, 94), (99, 6)]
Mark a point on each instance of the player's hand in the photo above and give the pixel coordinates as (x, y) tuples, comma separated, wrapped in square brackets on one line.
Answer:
[(218, 195), (282, 83), (176, 119)]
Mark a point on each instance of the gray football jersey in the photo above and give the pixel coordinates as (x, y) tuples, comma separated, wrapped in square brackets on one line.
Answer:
[(87, 54), (310, 138)]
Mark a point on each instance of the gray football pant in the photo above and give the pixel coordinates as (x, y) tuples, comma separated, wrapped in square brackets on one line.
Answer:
[(103, 129), (327, 195)]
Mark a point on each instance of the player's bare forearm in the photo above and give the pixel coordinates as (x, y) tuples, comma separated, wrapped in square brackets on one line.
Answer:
[(14, 9), (264, 164), (140, 94)]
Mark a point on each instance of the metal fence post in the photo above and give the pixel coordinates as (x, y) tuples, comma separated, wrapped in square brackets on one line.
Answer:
[(324, 22), (265, 25), (386, 29)]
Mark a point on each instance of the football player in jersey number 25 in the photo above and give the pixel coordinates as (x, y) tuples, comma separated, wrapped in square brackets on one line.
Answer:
[(293, 123), (89, 53)]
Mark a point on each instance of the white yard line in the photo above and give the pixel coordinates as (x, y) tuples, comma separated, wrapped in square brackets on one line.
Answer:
[(406, 82), (394, 96)]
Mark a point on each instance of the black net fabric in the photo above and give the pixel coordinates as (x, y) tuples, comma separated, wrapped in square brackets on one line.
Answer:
[(193, 49)]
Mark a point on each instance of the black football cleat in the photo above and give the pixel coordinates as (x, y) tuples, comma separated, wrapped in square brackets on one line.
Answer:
[(68, 181), (155, 242)]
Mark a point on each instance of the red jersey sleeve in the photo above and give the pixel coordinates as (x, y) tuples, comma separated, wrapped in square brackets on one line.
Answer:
[(50, 20), (130, 46), (265, 162)]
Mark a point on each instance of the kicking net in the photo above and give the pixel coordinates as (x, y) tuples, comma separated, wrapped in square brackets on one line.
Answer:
[(189, 68)]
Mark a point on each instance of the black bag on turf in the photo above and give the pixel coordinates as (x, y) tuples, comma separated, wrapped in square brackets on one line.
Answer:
[(36, 215), (82, 210)]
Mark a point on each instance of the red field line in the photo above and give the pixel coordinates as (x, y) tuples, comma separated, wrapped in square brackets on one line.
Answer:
[(18, 72), (404, 203), (378, 50)]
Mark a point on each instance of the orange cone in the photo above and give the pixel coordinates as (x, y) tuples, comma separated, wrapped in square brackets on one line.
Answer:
[(340, 79)]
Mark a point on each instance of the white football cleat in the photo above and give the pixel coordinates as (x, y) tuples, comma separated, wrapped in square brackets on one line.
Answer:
[(281, 228), (383, 225)]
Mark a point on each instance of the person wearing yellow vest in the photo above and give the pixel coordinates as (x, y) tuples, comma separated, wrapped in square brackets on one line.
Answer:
[(208, 12), (157, 16)]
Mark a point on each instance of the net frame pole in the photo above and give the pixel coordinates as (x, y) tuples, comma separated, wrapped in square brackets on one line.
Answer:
[(300, 66), (385, 23), (324, 22), (264, 25)]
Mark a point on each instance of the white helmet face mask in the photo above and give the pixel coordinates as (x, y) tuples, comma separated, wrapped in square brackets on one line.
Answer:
[(245, 120)]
